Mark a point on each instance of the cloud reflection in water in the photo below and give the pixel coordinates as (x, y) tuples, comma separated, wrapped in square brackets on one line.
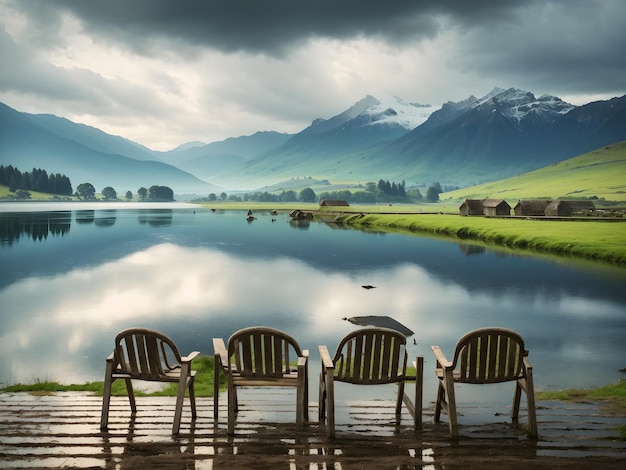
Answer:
[(64, 335)]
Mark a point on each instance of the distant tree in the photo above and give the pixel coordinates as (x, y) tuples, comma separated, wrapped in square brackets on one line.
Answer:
[(432, 194), (160, 193), (415, 194), (288, 196), (22, 194), (86, 191), (307, 195), (109, 193), (129, 195), (223, 196), (142, 193), (212, 197)]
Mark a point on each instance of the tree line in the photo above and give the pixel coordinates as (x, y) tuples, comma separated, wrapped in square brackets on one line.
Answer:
[(382, 192), (54, 183), (36, 180)]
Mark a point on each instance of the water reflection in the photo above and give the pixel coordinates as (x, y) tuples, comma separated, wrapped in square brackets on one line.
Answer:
[(200, 274), (196, 293), (156, 217), (37, 226)]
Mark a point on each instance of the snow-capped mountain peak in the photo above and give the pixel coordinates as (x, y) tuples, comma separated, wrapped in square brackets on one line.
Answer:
[(517, 104), (396, 111)]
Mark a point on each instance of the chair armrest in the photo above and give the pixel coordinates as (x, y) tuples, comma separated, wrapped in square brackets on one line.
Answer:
[(327, 363), (441, 359), (303, 360), (190, 357), (527, 364), (219, 349), (111, 357)]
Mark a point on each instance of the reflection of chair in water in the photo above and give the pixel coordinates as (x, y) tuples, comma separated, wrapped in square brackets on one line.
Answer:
[(260, 356), (369, 356), (485, 356), (145, 354)]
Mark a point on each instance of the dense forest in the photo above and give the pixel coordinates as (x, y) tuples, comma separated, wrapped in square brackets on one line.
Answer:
[(35, 180)]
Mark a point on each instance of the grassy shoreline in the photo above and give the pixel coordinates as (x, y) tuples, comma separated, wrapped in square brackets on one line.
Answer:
[(592, 239)]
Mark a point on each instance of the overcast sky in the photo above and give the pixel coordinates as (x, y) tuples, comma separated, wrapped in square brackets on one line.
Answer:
[(164, 72)]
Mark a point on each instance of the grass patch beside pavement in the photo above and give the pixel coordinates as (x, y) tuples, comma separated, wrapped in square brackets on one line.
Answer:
[(203, 365), (612, 396)]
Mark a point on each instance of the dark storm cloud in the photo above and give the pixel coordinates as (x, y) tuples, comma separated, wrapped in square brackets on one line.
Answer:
[(270, 26)]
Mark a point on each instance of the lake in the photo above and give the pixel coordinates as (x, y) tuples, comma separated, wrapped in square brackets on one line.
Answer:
[(73, 275)]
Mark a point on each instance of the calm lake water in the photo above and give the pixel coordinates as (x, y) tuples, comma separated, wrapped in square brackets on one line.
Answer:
[(72, 277)]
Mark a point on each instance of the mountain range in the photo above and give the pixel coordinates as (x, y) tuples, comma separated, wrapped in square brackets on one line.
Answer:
[(505, 133)]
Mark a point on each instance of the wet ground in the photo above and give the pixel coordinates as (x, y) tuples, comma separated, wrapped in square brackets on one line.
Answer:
[(62, 431)]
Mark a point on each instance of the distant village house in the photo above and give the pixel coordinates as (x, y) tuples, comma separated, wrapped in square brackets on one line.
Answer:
[(496, 207), (486, 207), (471, 207), (333, 203), (561, 208), (531, 207)]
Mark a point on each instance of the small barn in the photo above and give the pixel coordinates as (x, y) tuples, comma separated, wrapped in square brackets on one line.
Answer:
[(333, 203), (496, 207), (582, 206), (531, 207), (471, 207), (561, 208)]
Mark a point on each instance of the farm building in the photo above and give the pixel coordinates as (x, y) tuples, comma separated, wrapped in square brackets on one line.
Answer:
[(333, 202), (568, 208), (494, 207), (535, 207), (471, 207)]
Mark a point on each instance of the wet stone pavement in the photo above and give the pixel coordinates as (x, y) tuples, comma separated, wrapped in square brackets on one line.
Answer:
[(62, 431)]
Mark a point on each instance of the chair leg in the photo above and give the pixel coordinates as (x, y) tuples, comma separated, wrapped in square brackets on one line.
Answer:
[(131, 395), (517, 398), (452, 419), (441, 398), (192, 397), (330, 403), (232, 407), (106, 401), (399, 398), (419, 386), (532, 411), (180, 398), (216, 385), (321, 407), (300, 404)]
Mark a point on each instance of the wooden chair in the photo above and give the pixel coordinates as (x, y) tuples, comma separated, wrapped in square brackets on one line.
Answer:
[(261, 356), (145, 354), (369, 356), (485, 356)]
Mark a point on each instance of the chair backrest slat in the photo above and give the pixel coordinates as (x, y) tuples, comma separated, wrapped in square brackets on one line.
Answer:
[(371, 356), (143, 353), (489, 355), (261, 352)]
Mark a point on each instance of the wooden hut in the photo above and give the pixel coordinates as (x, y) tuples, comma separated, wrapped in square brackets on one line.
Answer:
[(561, 208), (471, 207), (531, 207), (333, 202), (496, 207)]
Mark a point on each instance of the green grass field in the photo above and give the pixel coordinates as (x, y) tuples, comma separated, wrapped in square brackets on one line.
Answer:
[(596, 240), (600, 173)]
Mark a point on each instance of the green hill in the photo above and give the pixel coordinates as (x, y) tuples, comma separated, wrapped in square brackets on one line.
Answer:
[(600, 173)]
